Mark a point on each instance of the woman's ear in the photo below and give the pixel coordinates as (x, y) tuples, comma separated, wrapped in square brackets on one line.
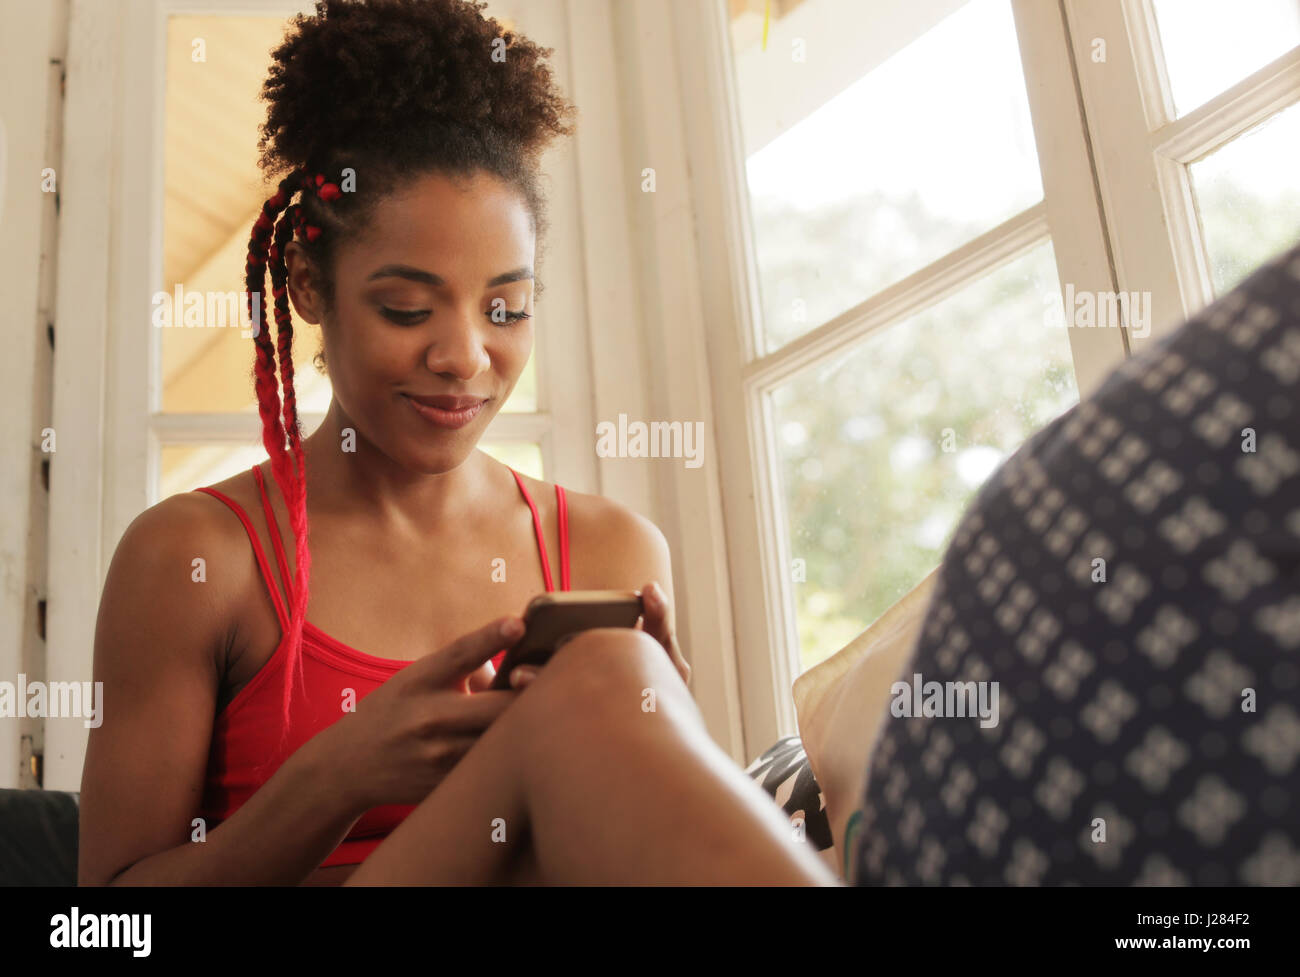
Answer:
[(304, 285)]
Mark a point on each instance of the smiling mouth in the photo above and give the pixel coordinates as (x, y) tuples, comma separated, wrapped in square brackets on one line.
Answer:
[(446, 412)]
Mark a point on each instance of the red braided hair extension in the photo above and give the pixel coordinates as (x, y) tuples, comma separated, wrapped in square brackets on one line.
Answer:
[(266, 246), (292, 478), (268, 397)]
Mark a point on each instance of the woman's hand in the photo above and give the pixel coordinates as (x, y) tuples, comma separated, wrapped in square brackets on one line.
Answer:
[(658, 622), (408, 734)]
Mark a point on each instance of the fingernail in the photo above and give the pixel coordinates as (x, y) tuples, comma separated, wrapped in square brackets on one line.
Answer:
[(512, 628), (652, 595), (521, 676)]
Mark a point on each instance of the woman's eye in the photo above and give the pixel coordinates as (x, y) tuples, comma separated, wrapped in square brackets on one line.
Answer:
[(510, 318), (409, 317), (404, 317)]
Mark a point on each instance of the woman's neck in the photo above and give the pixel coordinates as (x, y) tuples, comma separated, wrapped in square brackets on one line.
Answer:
[(347, 473)]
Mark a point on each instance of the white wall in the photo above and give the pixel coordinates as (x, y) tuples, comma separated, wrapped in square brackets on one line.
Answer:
[(32, 37)]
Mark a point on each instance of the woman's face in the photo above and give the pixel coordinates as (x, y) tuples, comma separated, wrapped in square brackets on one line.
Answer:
[(424, 342)]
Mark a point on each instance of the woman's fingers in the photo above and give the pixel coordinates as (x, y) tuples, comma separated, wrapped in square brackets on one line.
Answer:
[(657, 619), (521, 675), (480, 680), (658, 622), (453, 663), (471, 713)]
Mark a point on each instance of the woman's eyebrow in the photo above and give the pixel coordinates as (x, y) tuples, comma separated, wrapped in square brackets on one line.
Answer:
[(429, 278)]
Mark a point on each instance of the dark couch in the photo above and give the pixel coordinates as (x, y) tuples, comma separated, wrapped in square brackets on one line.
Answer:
[(38, 837)]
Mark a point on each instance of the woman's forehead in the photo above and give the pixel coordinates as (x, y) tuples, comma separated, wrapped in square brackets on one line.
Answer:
[(472, 225)]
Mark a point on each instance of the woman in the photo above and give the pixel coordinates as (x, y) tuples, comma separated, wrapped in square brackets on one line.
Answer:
[(342, 730)]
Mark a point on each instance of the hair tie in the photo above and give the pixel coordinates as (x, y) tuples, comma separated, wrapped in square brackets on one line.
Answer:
[(326, 191), (300, 226)]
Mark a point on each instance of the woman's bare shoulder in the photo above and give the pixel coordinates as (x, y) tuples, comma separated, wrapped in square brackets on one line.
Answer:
[(163, 543), (611, 546)]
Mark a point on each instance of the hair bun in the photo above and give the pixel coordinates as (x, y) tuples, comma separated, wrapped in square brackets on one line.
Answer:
[(368, 75)]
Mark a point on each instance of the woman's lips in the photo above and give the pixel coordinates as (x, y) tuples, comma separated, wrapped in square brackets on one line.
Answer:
[(448, 412)]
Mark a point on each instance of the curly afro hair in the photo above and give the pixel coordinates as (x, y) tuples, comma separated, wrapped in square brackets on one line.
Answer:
[(386, 91), (397, 88)]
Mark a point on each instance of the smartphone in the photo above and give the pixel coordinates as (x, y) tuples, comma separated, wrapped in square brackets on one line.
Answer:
[(551, 618)]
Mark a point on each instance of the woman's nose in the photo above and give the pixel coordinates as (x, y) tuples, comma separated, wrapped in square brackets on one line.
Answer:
[(457, 349)]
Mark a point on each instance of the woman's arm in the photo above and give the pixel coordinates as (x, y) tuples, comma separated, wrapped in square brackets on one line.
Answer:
[(620, 550), (159, 643)]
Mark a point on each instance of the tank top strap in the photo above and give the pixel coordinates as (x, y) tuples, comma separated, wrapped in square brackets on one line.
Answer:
[(537, 529), (273, 527), (258, 552), (562, 504)]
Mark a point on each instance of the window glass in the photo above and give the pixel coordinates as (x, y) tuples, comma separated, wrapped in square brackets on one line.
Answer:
[(881, 449), (1248, 196), (893, 168), (1210, 45), (524, 457), (185, 467)]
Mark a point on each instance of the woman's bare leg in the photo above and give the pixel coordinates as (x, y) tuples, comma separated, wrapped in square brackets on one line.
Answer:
[(604, 766)]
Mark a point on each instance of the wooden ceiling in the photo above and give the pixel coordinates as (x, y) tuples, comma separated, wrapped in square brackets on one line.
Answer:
[(211, 181)]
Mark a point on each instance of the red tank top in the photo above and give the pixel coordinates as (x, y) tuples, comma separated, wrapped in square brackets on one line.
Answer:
[(243, 755)]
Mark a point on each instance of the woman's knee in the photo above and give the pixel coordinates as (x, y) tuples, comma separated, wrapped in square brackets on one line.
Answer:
[(614, 658), (609, 669), (609, 688)]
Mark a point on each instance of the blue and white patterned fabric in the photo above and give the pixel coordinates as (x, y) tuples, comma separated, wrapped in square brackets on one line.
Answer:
[(1131, 580)]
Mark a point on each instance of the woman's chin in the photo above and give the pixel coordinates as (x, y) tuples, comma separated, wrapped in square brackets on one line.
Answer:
[(430, 459)]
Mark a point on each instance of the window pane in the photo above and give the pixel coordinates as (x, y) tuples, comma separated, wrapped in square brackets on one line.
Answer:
[(1248, 195), (523, 456), (213, 192), (185, 467), (1211, 45), (523, 399), (893, 168), (881, 449)]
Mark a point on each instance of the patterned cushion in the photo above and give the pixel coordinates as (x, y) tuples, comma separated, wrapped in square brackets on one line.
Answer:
[(783, 771), (1129, 580)]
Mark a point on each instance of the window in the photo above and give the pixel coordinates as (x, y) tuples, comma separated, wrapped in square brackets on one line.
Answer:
[(1203, 106), (1246, 191), (882, 448), (854, 197), (1208, 47), (904, 266), (894, 196), (1248, 198)]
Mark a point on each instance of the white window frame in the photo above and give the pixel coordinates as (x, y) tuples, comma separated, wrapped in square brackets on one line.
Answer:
[(1070, 216), (1105, 133), (1140, 143)]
